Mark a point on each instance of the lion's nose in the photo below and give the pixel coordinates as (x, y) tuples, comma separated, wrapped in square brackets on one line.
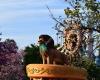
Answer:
[(39, 40)]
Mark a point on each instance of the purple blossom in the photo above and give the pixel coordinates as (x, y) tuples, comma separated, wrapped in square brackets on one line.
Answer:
[(10, 62)]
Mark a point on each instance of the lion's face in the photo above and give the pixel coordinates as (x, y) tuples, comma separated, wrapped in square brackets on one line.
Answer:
[(41, 40), (47, 40), (71, 39)]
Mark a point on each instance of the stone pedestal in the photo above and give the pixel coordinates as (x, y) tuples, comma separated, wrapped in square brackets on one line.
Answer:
[(55, 72)]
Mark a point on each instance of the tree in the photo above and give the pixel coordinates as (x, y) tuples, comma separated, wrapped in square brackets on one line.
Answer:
[(89, 17), (87, 14), (32, 55), (10, 64)]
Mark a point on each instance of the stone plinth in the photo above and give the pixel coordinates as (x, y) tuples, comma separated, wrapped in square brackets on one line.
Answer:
[(55, 71)]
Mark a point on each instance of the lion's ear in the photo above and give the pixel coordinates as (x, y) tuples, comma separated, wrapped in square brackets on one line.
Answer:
[(49, 40)]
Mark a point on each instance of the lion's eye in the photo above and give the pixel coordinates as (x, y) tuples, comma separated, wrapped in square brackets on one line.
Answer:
[(40, 41)]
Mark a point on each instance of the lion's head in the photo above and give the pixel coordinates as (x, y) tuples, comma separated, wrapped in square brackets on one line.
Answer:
[(47, 40)]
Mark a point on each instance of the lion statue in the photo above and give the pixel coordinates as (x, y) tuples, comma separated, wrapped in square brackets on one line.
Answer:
[(50, 55)]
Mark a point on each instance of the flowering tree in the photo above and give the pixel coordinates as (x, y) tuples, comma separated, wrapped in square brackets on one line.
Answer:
[(10, 62)]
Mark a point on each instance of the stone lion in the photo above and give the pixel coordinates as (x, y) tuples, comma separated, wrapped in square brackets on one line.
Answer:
[(50, 55)]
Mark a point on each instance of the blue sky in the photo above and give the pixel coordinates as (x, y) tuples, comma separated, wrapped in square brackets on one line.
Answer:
[(25, 20)]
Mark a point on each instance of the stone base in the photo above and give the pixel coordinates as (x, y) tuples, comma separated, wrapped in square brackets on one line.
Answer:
[(55, 71)]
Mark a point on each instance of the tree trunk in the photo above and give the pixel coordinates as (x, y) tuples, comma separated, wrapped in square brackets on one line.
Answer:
[(90, 45)]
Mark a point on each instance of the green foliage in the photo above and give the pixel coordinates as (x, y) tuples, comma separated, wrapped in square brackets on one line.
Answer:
[(71, 12), (74, 11), (86, 10), (93, 5), (32, 55), (92, 70)]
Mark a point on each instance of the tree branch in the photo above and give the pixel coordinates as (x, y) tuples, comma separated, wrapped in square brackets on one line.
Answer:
[(54, 17), (85, 28), (93, 29), (98, 46)]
